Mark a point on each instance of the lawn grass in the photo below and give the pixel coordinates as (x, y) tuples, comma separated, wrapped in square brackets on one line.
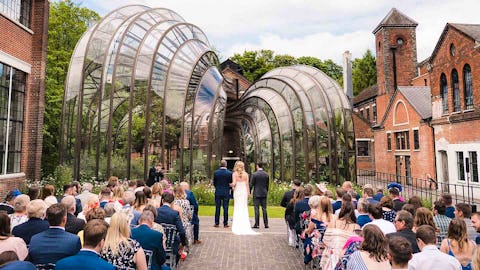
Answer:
[(273, 211)]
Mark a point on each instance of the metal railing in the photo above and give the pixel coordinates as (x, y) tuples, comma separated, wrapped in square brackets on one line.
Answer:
[(426, 189)]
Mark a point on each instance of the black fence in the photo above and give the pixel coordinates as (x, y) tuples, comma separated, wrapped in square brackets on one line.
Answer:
[(427, 189)]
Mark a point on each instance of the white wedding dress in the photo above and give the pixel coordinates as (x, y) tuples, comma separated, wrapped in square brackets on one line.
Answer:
[(241, 221)]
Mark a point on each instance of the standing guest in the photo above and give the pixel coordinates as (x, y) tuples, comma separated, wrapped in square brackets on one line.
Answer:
[(440, 219), (423, 216), (88, 257), (368, 195), (290, 216), (7, 204), (195, 220), (416, 202), (464, 211), (457, 244), (338, 202), (71, 189), (362, 217), (55, 243), (404, 225), (222, 179), (387, 209), (379, 195), (399, 252), (119, 249), (375, 213), (74, 224), (476, 225), (449, 208), (395, 196), (165, 214), (36, 212), (105, 197), (259, 185), (86, 193), (33, 192), (150, 240), (9, 242), (373, 251), (152, 176), (302, 206), (48, 195), (430, 258), (19, 215), (288, 195)]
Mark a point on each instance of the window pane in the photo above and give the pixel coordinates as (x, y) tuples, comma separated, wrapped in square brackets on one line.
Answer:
[(389, 141), (473, 166), (460, 166), (467, 87), (416, 141), (444, 92), (363, 149), (456, 91)]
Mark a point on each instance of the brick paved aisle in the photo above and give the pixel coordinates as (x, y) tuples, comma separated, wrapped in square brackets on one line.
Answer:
[(221, 249)]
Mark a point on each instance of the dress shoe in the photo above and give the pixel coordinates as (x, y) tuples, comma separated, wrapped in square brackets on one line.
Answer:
[(197, 242), (266, 227), (255, 227), (226, 226), (216, 225)]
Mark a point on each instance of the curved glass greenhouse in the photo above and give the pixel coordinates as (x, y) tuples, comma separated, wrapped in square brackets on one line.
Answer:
[(144, 88)]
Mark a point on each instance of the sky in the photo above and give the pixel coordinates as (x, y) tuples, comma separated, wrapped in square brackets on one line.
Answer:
[(318, 28)]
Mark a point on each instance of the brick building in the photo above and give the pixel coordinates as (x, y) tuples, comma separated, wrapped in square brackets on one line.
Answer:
[(23, 46)]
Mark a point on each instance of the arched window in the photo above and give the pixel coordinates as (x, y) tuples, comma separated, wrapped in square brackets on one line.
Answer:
[(444, 93), (467, 87), (456, 91)]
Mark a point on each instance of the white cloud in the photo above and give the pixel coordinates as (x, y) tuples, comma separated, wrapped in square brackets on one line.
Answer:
[(322, 29)]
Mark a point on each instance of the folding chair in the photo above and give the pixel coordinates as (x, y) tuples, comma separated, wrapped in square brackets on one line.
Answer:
[(45, 266), (170, 235), (148, 256)]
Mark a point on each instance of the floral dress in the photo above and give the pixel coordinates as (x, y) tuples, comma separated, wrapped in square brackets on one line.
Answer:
[(389, 215), (186, 218), (126, 254), (313, 245)]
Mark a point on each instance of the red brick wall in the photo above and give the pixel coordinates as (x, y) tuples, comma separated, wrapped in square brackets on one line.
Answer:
[(10, 184), (31, 48), (363, 130)]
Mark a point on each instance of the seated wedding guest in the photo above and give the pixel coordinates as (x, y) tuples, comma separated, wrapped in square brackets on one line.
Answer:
[(195, 221), (105, 197), (55, 243), (117, 197), (7, 204), (362, 217), (128, 207), (464, 211), (156, 195), (449, 208), (132, 185), (338, 202), (165, 214), (183, 206), (423, 216), (404, 225), (36, 212), (71, 189), (113, 181), (416, 202), (96, 213), (409, 208), (48, 195), (375, 213), (476, 225), (373, 251), (19, 215), (74, 224), (86, 193), (430, 257), (140, 185), (150, 240), (9, 242), (140, 201), (368, 195), (440, 219), (457, 243), (9, 261), (157, 227), (394, 194), (387, 209), (379, 194), (319, 221), (119, 249), (399, 252), (109, 211), (91, 203), (88, 257), (33, 192)]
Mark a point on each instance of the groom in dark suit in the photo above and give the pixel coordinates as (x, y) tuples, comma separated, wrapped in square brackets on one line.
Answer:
[(222, 178), (259, 184)]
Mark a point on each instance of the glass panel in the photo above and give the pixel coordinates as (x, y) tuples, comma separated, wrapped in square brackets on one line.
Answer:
[(456, 91), (460, 166), (467, 87)]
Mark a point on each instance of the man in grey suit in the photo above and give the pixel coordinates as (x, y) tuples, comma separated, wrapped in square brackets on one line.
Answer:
[(259, 184)]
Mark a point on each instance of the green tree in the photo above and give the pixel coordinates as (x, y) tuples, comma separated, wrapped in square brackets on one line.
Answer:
[(364, 72), (67, 23), (254, 63)]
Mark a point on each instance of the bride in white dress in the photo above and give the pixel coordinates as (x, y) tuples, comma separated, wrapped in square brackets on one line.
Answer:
[(241, 192)]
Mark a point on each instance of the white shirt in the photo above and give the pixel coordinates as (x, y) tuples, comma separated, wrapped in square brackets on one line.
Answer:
[(432, 258), (386, 226)]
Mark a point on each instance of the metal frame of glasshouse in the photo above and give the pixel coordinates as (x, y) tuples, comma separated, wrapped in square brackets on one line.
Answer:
[(143, 78)]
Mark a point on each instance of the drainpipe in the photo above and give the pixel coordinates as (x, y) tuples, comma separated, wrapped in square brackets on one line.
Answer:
[(394, 61)]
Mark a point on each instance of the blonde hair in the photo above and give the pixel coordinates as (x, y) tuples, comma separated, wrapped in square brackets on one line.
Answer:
[(325, 208), (118, 233), (36, 208), (179, 193), (157, 189), (239, 167), (20, 203), (476, 259), (118, 192)]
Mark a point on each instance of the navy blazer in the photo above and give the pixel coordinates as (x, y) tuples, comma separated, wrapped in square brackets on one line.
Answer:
[(74, 224), (85, 260), (169, 216), (28, 229), (18, 265), (221, 181), (259, 184), (193, 201), (151, 240), (52, 245)]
